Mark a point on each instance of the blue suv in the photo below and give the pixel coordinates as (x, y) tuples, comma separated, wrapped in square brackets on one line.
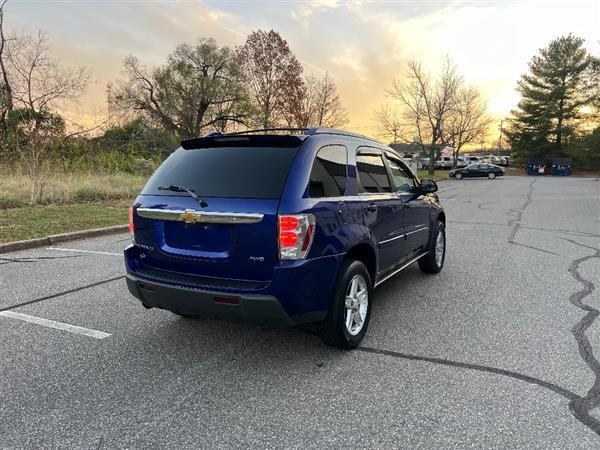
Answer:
[(281, 229)]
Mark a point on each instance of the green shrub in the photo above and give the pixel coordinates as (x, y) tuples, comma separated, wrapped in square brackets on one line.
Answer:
[(8, 201)]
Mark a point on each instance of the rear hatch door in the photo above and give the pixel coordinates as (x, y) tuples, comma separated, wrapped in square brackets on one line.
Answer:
[(234, 233)]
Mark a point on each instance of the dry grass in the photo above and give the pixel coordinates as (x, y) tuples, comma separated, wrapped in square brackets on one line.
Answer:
[(70, 188), (438, 175)]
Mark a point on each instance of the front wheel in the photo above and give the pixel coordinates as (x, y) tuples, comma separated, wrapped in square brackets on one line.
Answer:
[(458, 176), (350, 310), (433, 261), (491, 175)]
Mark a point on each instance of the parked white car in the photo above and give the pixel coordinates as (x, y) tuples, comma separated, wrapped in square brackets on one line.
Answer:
[(443, 162), (471, 159), (460, 162), (491, 159), (504, 161)]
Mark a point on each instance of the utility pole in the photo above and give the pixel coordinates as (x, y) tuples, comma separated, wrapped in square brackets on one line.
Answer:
[(500, 137), (395, 130)]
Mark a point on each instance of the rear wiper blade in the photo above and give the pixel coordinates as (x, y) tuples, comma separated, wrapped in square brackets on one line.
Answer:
[(177, 188)]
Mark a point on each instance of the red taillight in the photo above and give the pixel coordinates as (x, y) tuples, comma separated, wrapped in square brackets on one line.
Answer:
[(288, 223), (131, 220), (288, 239), (295, 235)]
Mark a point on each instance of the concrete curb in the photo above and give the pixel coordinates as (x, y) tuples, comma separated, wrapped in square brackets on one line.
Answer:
[(63, 237)]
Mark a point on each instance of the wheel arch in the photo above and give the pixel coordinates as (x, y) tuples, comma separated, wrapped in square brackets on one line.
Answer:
[(441, 217), (364, 253)]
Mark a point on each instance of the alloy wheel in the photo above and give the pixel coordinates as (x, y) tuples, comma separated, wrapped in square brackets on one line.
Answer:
[(440, 248), (356, 304)]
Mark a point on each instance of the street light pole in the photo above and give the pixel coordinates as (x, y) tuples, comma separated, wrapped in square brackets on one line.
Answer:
[(500, 137)]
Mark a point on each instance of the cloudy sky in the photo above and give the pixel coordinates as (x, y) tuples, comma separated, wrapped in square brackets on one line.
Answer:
[(363, 45)]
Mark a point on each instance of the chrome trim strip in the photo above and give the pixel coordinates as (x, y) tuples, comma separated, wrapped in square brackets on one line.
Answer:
[(416, 231), (392, 239), (194, 216), (402, 235), (404, 266)]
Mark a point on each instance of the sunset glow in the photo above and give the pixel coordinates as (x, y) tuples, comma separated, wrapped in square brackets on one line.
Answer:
[(362, 45)]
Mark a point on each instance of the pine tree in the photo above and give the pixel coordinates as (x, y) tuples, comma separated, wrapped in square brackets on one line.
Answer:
[(552, 96)]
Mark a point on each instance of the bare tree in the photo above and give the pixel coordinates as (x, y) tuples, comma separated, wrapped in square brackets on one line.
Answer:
[(272, 74), (467, 121), (317, 104), (330, 111), (427, 103), (197, 89), (389, 124), (39, 84)]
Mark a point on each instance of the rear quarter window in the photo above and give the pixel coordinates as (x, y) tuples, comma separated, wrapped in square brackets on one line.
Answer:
[(328, 173), (234, 172)]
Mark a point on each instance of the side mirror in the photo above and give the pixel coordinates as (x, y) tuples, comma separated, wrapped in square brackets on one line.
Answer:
[(428, 187)]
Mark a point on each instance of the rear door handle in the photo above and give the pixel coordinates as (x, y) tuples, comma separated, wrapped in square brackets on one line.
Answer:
[(372, 207)]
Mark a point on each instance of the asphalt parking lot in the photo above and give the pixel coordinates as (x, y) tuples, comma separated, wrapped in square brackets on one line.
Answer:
[(499, 349)]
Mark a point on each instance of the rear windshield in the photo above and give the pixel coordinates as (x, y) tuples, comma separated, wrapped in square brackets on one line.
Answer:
[(236, 172)]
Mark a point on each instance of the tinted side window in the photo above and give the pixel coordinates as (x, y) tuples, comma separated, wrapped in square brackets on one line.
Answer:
[(403, 181), (372, 174), (328, 174)]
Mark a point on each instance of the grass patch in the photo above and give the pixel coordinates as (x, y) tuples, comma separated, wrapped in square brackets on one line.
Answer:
[(43, 220), (437, 175)]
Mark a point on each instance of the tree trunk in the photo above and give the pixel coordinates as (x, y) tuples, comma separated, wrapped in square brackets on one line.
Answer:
[(7, 95), (559, 126), (431, 169)]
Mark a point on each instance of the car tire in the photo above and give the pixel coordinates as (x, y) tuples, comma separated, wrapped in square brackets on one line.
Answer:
[(349, 312), (458, 176), (491, 175), (433, 261)]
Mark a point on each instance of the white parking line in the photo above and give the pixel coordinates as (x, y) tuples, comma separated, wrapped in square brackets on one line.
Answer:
[(76, 250), (53, 324)]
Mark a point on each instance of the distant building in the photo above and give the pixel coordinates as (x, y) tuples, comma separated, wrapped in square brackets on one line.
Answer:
[(413, 148)]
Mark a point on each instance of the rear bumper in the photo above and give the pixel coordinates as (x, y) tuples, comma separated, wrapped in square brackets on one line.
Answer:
[(256, 309), (297, 292)]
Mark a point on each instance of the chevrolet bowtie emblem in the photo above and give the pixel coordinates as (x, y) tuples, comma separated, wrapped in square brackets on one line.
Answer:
[(188, 216)]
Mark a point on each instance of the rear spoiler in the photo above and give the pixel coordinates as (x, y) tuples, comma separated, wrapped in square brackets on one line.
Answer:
[(263, 140)]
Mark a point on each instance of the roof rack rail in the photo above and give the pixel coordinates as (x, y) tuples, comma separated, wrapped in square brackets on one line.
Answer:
[(262, 130), (301, 131), (324, 130)]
